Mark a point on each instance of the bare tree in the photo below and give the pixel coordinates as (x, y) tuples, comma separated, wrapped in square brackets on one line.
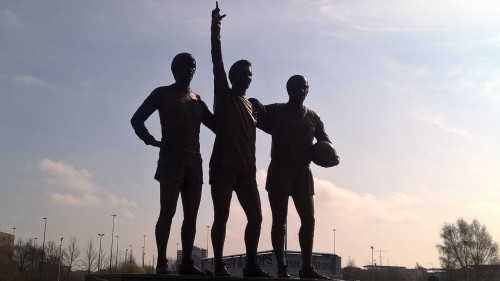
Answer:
[(72, 253), (51, 252), (89, 260), (172, 264), (22, 251), (104, 261), (35, 255), (351, 271), (468, 249)]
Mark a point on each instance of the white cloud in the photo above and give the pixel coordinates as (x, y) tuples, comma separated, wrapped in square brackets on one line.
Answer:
[(400, 16), (451, 26), (24, 80), (423, 115), (84, 200), (28, 80), (477, 79), (394, 208), (65, 176), (9, 19), (116, 201), (79, 188)]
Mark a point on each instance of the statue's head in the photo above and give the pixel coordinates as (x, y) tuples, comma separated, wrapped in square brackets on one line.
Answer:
[(240, 75), (297, 88), (183, 67)]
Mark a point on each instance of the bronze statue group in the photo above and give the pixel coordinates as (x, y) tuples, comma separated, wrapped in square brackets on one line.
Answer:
[(293, 128)]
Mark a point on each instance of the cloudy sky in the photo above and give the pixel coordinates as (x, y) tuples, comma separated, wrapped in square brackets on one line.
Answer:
[(408, 91)]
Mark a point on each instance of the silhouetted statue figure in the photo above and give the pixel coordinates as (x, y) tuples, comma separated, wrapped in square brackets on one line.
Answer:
[(293, 128), (232, 165), (179, 165)]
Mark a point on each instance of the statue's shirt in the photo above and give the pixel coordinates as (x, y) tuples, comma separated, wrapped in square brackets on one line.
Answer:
[(180, 118), (293, 131), (234, 145)]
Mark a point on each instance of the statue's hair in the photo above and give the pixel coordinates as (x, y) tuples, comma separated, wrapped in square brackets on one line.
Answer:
[(180, 58), (293, 78), (236, 65)]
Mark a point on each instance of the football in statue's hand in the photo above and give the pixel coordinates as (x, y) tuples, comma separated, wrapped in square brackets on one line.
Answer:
[(323, 154)]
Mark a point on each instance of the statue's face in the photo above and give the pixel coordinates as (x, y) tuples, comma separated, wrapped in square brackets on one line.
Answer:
[(298, 89), (185, 70), (242, 77)]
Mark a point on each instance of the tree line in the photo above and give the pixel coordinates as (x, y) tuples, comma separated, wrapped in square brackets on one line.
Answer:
[(467, 252), (24, 261)]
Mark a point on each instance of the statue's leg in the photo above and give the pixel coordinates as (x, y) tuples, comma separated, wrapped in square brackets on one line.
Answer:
[(169, 194), (279, 208), (249, 198), (221, 198), (304, 204), (191, 196)]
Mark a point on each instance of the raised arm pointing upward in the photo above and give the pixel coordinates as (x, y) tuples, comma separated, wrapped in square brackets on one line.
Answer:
[(232, 165)]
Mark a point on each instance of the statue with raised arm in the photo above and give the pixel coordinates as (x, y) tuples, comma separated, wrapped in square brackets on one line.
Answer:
[(293, 128), (232, 165), (179, 169)]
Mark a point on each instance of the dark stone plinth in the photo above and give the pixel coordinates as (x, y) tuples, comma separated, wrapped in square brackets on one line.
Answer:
[(149, 277), (172, 277)]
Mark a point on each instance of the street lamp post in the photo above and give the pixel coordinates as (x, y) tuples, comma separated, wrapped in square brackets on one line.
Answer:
[(43, 243), (111, 254), (373, 272), (60, 258), (125, 261), (208, 230), (372, 255), (116, 259), (334, 230), (130, 253), (143, 251), (34, 256), (99, 257), (13, 235), (286, 235), (13, 239)]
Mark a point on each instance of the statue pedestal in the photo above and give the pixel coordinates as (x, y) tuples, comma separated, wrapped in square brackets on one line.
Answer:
[(172, 277)]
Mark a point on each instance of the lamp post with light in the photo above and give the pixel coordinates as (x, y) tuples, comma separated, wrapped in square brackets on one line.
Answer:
[(334, 230), (143, 251), (43, 243), (111, 254), (116, 259), (99, 257), (125, 262), (60, 258), (208, 230), (130, 253)]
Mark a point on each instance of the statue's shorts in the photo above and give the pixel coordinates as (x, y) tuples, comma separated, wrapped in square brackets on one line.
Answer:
[(236, 178), (292, 179), (179, 175)]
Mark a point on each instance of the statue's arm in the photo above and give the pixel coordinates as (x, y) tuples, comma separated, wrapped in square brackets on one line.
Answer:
[(141, 115), (207, 117), (263, 117), (321, 135), (319, 131), (220, 78)]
